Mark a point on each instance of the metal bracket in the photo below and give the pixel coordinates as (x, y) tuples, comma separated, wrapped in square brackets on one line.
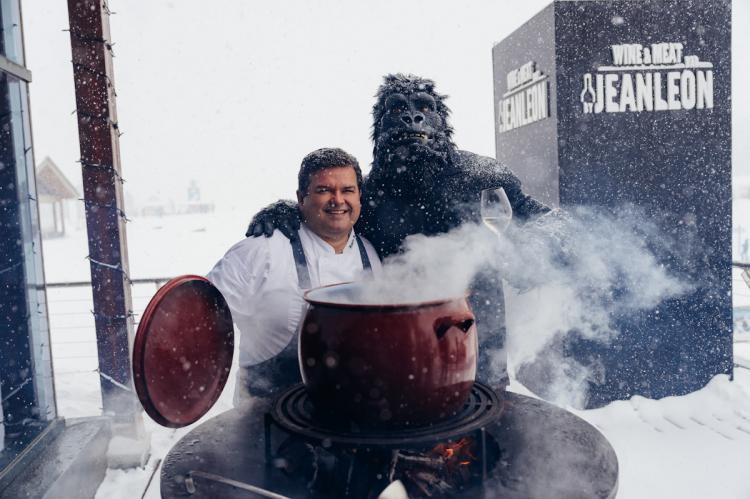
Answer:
[(14, 69)]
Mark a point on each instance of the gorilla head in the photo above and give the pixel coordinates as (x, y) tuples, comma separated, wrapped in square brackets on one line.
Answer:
[(410, 131)]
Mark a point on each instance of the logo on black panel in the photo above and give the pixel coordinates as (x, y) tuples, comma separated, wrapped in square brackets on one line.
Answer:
[(526, 98), (656, 77)]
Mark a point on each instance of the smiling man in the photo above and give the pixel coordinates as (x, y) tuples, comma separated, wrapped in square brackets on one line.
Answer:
[(263, 279), (329, 197)]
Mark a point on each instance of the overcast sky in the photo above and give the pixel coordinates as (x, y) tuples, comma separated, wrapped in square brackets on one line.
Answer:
[(233, 94)]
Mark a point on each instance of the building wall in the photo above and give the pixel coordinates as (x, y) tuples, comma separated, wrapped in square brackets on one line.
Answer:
[(611, 152)]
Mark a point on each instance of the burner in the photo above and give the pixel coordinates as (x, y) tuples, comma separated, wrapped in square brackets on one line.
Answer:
[(339, 459), (534, 448), (293, 412)]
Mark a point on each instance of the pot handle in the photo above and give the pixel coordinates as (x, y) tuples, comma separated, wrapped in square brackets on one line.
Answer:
[(443, 324)]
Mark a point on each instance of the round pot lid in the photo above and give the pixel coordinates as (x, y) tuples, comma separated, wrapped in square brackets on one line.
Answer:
[(183, 351)]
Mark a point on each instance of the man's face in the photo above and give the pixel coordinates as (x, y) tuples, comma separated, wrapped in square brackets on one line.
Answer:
[(331, 204)]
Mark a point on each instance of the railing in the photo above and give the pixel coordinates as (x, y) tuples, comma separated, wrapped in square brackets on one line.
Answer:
[(158, 281), (73, 340)]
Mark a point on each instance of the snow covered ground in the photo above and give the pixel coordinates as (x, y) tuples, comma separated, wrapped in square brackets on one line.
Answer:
[(696, 446)]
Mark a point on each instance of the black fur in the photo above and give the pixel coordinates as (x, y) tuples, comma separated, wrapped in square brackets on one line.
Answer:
[(426, 187)]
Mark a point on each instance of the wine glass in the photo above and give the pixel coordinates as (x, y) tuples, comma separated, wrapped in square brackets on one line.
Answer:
[(496, 210)]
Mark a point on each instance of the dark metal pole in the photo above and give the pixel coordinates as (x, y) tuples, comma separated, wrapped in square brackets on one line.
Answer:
[(102, 188)]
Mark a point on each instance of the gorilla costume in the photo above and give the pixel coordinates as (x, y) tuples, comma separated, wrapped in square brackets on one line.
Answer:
[(420, 183)]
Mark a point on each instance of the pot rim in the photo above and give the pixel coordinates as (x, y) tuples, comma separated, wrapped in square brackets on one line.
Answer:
[(363, 307)]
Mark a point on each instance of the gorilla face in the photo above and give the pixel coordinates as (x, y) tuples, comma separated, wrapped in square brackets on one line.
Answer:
[(409, 119), (410, 132)]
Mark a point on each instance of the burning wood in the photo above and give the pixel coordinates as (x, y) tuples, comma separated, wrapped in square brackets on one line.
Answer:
[(420, 460), (427, 483), (456, 454), (445, 468), (440, 471)]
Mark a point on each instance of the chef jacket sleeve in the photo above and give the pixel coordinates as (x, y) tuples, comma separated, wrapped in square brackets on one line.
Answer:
[(240, 275)]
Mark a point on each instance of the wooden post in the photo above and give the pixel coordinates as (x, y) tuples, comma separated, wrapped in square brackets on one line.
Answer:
[(103, 198)]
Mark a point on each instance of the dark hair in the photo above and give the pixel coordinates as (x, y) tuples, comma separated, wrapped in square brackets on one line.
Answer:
[(327, 157)]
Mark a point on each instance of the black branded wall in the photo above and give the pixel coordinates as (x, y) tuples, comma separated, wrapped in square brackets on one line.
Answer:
[(611, 103), (531, 151)]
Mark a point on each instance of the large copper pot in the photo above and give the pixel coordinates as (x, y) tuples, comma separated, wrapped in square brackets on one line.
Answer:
[(386, 364)]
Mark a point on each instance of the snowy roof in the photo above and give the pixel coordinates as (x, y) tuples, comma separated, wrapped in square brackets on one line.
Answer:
[(51, 183)]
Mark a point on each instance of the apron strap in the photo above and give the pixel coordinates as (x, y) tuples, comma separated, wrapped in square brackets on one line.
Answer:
[(363, 254), (303, 274)]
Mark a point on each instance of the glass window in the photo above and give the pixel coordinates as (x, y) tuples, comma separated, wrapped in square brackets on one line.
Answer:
[(11, 41), (26, 390)]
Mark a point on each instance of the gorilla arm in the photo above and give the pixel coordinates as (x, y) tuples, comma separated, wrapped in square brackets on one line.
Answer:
[(481, 172), (283, 215), (544, 230)]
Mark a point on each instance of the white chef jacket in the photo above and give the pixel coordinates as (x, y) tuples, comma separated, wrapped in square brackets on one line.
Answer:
[(258, 279)]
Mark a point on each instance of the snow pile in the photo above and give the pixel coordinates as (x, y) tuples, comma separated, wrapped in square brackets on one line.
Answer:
[(694, 446)]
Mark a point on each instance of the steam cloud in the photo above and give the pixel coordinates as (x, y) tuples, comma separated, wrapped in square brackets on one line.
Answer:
[(570, 272)]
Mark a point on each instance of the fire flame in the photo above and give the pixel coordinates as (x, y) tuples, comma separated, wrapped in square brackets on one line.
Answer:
[(456, 453)]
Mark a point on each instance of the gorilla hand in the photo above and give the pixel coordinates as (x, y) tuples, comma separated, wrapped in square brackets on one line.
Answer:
[(281, 215)]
